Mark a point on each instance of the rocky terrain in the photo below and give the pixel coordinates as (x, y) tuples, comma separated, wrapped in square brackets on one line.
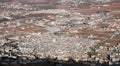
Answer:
[(60, 33)]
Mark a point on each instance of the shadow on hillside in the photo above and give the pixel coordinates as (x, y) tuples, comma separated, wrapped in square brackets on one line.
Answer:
[(5, 61)]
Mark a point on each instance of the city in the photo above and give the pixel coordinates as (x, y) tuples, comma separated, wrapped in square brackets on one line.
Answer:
[(60, 32)]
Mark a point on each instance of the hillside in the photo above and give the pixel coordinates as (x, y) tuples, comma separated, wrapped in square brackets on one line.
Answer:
[(59, 32)]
